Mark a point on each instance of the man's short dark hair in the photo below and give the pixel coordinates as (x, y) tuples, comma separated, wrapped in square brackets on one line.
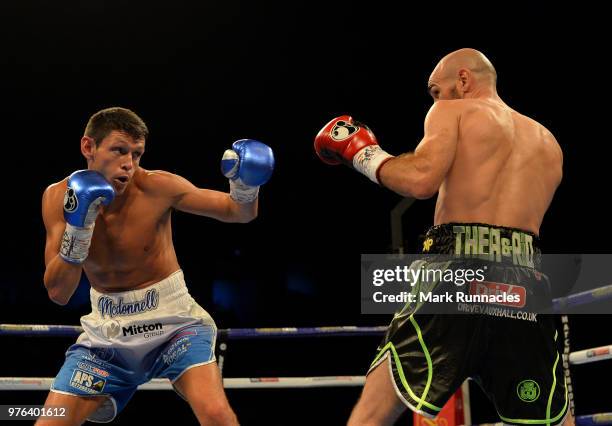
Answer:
[(116, 118)]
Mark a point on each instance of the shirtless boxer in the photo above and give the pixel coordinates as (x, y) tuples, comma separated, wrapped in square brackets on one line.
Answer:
[(495, 172), (113, 222)]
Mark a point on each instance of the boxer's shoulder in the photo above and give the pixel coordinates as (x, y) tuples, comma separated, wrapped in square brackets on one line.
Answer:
[(161, 183), (447, 109), (54, 193), (53, 205), (57, 187)]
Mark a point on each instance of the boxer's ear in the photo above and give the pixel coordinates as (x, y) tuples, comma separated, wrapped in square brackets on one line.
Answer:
[(88, 147), (465, 79)]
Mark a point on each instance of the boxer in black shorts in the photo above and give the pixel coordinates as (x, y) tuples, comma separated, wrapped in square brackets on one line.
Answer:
[(488, 164)]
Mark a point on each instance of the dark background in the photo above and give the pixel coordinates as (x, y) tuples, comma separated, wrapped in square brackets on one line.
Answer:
[(204, 74)]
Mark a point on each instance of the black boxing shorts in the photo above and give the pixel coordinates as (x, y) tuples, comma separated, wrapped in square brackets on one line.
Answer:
[(516, 359)]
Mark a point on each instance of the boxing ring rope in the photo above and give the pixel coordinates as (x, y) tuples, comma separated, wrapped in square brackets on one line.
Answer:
[(583, 298), (44, 383), (230, 333)]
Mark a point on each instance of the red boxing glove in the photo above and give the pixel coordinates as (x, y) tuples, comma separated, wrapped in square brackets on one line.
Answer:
[(343, 140)]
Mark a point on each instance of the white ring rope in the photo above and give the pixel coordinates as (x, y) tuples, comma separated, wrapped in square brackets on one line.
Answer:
[(44, 383), (591, 355)]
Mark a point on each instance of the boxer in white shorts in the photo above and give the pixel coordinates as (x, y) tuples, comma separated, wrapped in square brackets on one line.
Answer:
[(113, 221)]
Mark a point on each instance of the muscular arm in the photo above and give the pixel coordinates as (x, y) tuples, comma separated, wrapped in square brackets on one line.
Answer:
[(419, 174), (61, 278), (186, 197)]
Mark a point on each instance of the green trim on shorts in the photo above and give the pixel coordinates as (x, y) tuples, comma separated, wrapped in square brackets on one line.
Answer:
[(427, 357), (547, 420), (389, 346)]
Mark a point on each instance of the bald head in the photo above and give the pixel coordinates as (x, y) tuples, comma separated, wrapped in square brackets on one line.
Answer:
[(469, 59), (457, 64)]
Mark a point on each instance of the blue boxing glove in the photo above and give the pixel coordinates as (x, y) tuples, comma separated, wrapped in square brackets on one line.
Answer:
[(248, 165), (87, 189)]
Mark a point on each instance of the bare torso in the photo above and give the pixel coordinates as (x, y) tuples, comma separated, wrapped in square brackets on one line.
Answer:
[(132, 241), (505, 172)]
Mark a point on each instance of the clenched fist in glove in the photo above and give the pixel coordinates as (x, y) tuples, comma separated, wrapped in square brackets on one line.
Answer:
[(344, 140)]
